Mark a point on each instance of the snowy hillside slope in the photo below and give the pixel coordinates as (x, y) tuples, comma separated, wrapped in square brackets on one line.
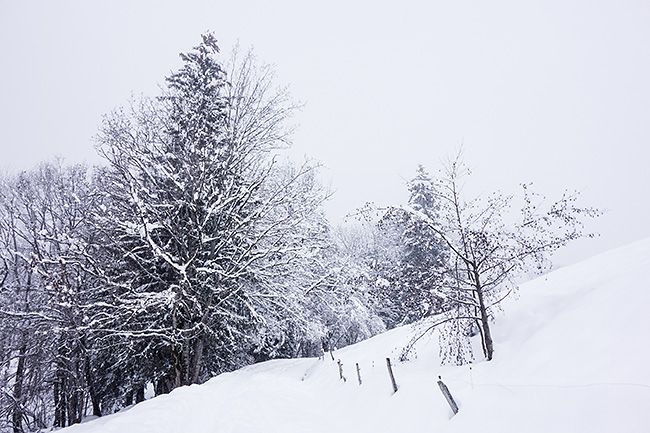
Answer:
[(571, 355)]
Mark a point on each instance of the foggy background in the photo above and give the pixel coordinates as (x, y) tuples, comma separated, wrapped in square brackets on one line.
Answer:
[(550, 92)]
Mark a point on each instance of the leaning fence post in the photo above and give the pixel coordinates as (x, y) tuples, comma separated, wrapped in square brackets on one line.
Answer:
[(390, 373), (341, 371), (358, 373), (447, 394)]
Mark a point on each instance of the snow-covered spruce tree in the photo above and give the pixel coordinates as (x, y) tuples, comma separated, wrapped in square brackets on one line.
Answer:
[(401, 256), (194, 219), (486, 252), (413, 277)]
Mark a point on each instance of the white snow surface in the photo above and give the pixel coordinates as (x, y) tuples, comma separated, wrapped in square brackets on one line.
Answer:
[(572, 354)]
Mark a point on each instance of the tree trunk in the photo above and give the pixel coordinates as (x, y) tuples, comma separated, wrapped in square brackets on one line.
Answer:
[(485, 322), (59, 402), (17, 415), (176, 353), (178, 371), (164, 385), (75, 390), (128, 398), (197, 356), (186, 361), (139, 394), (57, 418), (94, 398), (73, 405)]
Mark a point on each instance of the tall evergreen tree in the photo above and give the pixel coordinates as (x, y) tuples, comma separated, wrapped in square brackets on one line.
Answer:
[(197, 200), (411, 277)]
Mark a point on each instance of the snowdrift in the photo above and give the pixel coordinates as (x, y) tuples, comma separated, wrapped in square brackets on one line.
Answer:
[(571, 355)]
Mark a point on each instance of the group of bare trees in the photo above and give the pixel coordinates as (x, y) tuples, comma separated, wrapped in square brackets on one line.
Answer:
[(47, 280)]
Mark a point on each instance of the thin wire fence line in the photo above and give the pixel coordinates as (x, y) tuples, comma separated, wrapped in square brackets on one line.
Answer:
[(585, 385), (459, 378)]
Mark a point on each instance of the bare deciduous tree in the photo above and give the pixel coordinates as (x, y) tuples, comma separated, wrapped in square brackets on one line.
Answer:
[(488, 247)]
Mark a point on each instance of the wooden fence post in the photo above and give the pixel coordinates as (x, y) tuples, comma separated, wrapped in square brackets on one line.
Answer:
[(341, 371), (390, 373), (447, 394), (358, 373)]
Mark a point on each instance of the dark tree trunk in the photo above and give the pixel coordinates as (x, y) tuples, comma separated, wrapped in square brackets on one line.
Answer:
[(485, 322), (178, 371), (164, 385), (97, 408), (57, 419), (73, 407), (139, 394), (176, 354), (17, 415), (75, 390), (128, 398), (195, 364), (186, 361), (94, 398), (59, 402)]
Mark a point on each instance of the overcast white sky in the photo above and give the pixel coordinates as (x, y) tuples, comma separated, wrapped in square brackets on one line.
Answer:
[(554, 92)]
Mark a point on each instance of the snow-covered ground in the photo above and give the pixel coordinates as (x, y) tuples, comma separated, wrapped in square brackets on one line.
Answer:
[(572, 354)]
